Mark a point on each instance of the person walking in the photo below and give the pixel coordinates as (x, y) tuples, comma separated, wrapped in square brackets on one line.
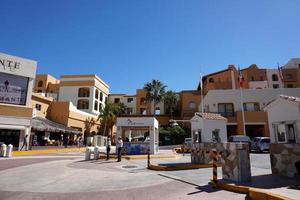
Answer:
[(119, 148), (108, 145), (25, 142)]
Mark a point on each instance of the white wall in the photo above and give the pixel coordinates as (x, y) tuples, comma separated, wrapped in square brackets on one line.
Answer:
[(207, 127), (258, 84), (270, 72), (262, 96), (283, 111)]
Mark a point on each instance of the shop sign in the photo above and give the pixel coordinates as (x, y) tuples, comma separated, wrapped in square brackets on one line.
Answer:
[(13, 89), (132, 123), (9, 65)]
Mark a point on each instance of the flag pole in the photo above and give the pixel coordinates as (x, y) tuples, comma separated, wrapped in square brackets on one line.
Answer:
[(241, 94)]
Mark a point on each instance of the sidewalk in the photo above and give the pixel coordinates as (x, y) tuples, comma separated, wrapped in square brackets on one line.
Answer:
[(277, 185)]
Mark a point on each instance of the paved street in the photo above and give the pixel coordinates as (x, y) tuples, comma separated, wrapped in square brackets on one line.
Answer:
[(67, 176)]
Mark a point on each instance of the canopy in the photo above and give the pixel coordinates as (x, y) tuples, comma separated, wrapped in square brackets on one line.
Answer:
[(42, 124)]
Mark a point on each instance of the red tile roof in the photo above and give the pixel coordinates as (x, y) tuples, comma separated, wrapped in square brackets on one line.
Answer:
[(211, 116)]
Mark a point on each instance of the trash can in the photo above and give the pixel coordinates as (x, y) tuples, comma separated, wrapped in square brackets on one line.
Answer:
[(88, 153), (9, 150), (96, 152), (3, 150)]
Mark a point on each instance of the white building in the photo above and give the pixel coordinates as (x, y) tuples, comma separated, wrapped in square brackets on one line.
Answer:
[(294, 63), (273, 78), (284, 119), (16, 82), (87, 92), (208, 127)]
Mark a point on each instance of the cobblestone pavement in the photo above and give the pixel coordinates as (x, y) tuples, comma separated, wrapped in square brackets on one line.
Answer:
[(67, 176)]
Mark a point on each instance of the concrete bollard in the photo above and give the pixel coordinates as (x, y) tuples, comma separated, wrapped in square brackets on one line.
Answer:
[(96, 152), (9, 150), (88, 153), (3, 150)]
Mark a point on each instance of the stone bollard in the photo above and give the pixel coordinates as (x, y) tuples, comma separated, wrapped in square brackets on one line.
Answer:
[(9, 150), (96, 152), (88, 153), (3, 150)]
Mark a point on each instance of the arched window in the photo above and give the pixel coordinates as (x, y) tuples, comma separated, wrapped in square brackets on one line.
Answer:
[(192, 105), (274, 77), (40, 84), (83, 104), (211, 80), (84, 92)]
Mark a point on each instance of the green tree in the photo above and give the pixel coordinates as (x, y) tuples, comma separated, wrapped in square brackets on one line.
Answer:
[(171, 99), (88, 124), (155, 91), (108, 115)]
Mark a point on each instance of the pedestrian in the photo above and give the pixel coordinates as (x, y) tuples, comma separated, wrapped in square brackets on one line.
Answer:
[(119, 148), (108, 145), (66, 141), (25, 142)]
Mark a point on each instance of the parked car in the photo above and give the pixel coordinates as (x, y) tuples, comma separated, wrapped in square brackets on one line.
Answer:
[(261, 144), (240, 138)]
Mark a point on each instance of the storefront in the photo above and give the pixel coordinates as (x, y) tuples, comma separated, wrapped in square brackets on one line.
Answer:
[(16, 82)]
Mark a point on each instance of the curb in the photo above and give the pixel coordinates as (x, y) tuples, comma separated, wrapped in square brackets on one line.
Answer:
[(254, 193), (139, 157), (47, 151), (179, 167)]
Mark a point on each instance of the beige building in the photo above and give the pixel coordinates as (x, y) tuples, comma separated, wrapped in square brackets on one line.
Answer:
[(16, 83)]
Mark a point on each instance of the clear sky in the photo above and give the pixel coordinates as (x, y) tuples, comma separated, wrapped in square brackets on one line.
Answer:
[(130, 42)]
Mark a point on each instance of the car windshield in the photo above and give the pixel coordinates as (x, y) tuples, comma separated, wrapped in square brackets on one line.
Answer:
[(265, 140)]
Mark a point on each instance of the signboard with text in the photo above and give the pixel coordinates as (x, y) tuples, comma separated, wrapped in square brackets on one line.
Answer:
[(13, 89)]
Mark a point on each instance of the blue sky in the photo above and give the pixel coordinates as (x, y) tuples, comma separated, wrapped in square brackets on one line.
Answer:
[(130, 42)]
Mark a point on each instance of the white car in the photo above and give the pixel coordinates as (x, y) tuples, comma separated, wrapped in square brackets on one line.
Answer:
[(261, 144)]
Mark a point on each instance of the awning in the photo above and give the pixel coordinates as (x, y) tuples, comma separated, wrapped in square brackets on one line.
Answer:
[(42, 124)]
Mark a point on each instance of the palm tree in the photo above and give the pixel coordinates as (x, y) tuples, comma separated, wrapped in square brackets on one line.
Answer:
[(109, 113), (171, 99), (88, 124), (155, 91)]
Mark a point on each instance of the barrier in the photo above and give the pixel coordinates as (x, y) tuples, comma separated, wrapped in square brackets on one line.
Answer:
[(215, 168), (9, 150), (148, 158), (3, 150)]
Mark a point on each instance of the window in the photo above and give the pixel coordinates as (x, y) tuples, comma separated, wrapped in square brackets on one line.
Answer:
[(96, 105), (289, 76), (252, 78), (129, 111), (281, 133), (261, 78), (275, 86), (192, 105), (100, 106), (143, 111), (40, 84), (299, 66), (39, 91), (129, 100), (143, 101), (38, 107), (251, 106), (291, 133), (84, 92), (96, 94), (157, 111), (105, 99), (83, 104), (226, 109), (101, 96), (211, 80), (274, 77), (117, 100), (290, 86), (216, 135)]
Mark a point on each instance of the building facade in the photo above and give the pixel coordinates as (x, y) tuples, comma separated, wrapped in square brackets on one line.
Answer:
[(16, 84)]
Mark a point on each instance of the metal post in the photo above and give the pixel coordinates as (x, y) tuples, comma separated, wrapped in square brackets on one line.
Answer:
[(148, 159), (215, 168)]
